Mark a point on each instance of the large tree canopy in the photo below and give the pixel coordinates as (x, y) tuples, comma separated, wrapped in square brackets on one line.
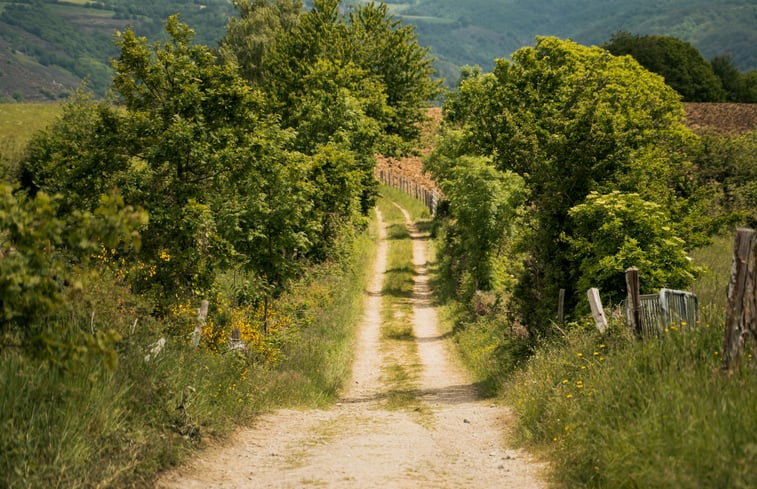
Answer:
[(680, 63), (195, 148), (570, 120)]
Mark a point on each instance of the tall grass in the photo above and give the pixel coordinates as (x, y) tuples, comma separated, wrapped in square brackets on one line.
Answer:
[(401, 365), (618, 412), (94, 427), (18, 122)]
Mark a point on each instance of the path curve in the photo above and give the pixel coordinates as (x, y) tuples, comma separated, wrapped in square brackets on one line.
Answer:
[(359, 443)]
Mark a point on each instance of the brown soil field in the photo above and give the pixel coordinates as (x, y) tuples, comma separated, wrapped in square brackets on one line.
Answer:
[(727, 119), (411, 167)]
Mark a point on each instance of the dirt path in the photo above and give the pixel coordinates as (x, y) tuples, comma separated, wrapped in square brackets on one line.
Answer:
[(447, 438)]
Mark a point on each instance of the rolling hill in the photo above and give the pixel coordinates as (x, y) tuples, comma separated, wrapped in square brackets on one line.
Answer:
[(47, 47), (477, 31)]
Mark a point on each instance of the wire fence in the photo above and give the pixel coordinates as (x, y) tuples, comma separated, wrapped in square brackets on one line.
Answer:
[(429, 197)]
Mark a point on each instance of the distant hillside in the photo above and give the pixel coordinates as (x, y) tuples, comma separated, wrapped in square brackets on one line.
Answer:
[(48, 46), (477, 31)]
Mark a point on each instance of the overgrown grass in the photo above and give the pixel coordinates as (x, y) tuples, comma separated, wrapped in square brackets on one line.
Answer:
[(18, 122), (402, 367), (94, 427), (618, 412), (489, 346)]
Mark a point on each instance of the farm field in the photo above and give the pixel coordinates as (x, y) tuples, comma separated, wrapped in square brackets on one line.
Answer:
[(18, 122)]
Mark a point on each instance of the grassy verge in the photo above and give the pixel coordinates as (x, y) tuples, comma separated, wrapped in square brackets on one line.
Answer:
[(94, 427), (617, 412), (402, 366)]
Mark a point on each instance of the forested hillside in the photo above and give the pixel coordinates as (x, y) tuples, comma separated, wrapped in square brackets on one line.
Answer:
[(48, 46), (478, 31)]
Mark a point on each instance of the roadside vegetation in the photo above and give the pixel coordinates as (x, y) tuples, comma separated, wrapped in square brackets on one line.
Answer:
[(244, 176), (617, 411), (560, 169), (192, 251)]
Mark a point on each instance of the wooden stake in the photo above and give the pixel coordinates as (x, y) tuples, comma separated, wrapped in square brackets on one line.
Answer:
[(597, 310), (741, 308), (634, 299), (202, 314)]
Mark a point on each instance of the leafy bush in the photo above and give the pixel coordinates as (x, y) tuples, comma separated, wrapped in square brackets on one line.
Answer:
[(42, 258), (615, 231), (571, 120)]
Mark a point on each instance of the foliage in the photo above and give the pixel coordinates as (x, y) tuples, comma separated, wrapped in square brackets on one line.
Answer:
[(571, 120), (195, 149), (249, 37), (121, 427), (682, 66), (612, 232), (41, 257), (484, 203), (349, 85), (739, 87), (727, 166)]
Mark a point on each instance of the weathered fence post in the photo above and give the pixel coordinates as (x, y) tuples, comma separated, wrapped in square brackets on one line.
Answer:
[(561, 307), (741, 308), (634, 299), (202, 314), (597, 310)]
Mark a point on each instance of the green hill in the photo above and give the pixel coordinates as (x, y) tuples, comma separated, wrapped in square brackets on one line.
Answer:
[(48, 46), (477, 31)]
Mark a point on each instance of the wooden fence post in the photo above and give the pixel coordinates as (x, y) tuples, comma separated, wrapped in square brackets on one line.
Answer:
[(634, 299), (597, 310), (741, 308), (561, 307), (202, 314)]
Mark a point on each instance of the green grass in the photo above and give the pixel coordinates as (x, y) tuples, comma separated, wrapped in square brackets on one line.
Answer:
[(402, 367), (91, 427), (617, 412), (18, 123)]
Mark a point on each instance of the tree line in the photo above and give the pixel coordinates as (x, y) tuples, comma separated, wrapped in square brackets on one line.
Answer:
[(255, 157), (686, 70), (567, 165)]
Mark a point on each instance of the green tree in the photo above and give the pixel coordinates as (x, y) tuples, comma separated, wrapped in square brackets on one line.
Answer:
[(248, 37), (388, 50), (484, 203), (680, 63), (358, 82), (193, 146), (571, 120), (614, 231), (730, 77)]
